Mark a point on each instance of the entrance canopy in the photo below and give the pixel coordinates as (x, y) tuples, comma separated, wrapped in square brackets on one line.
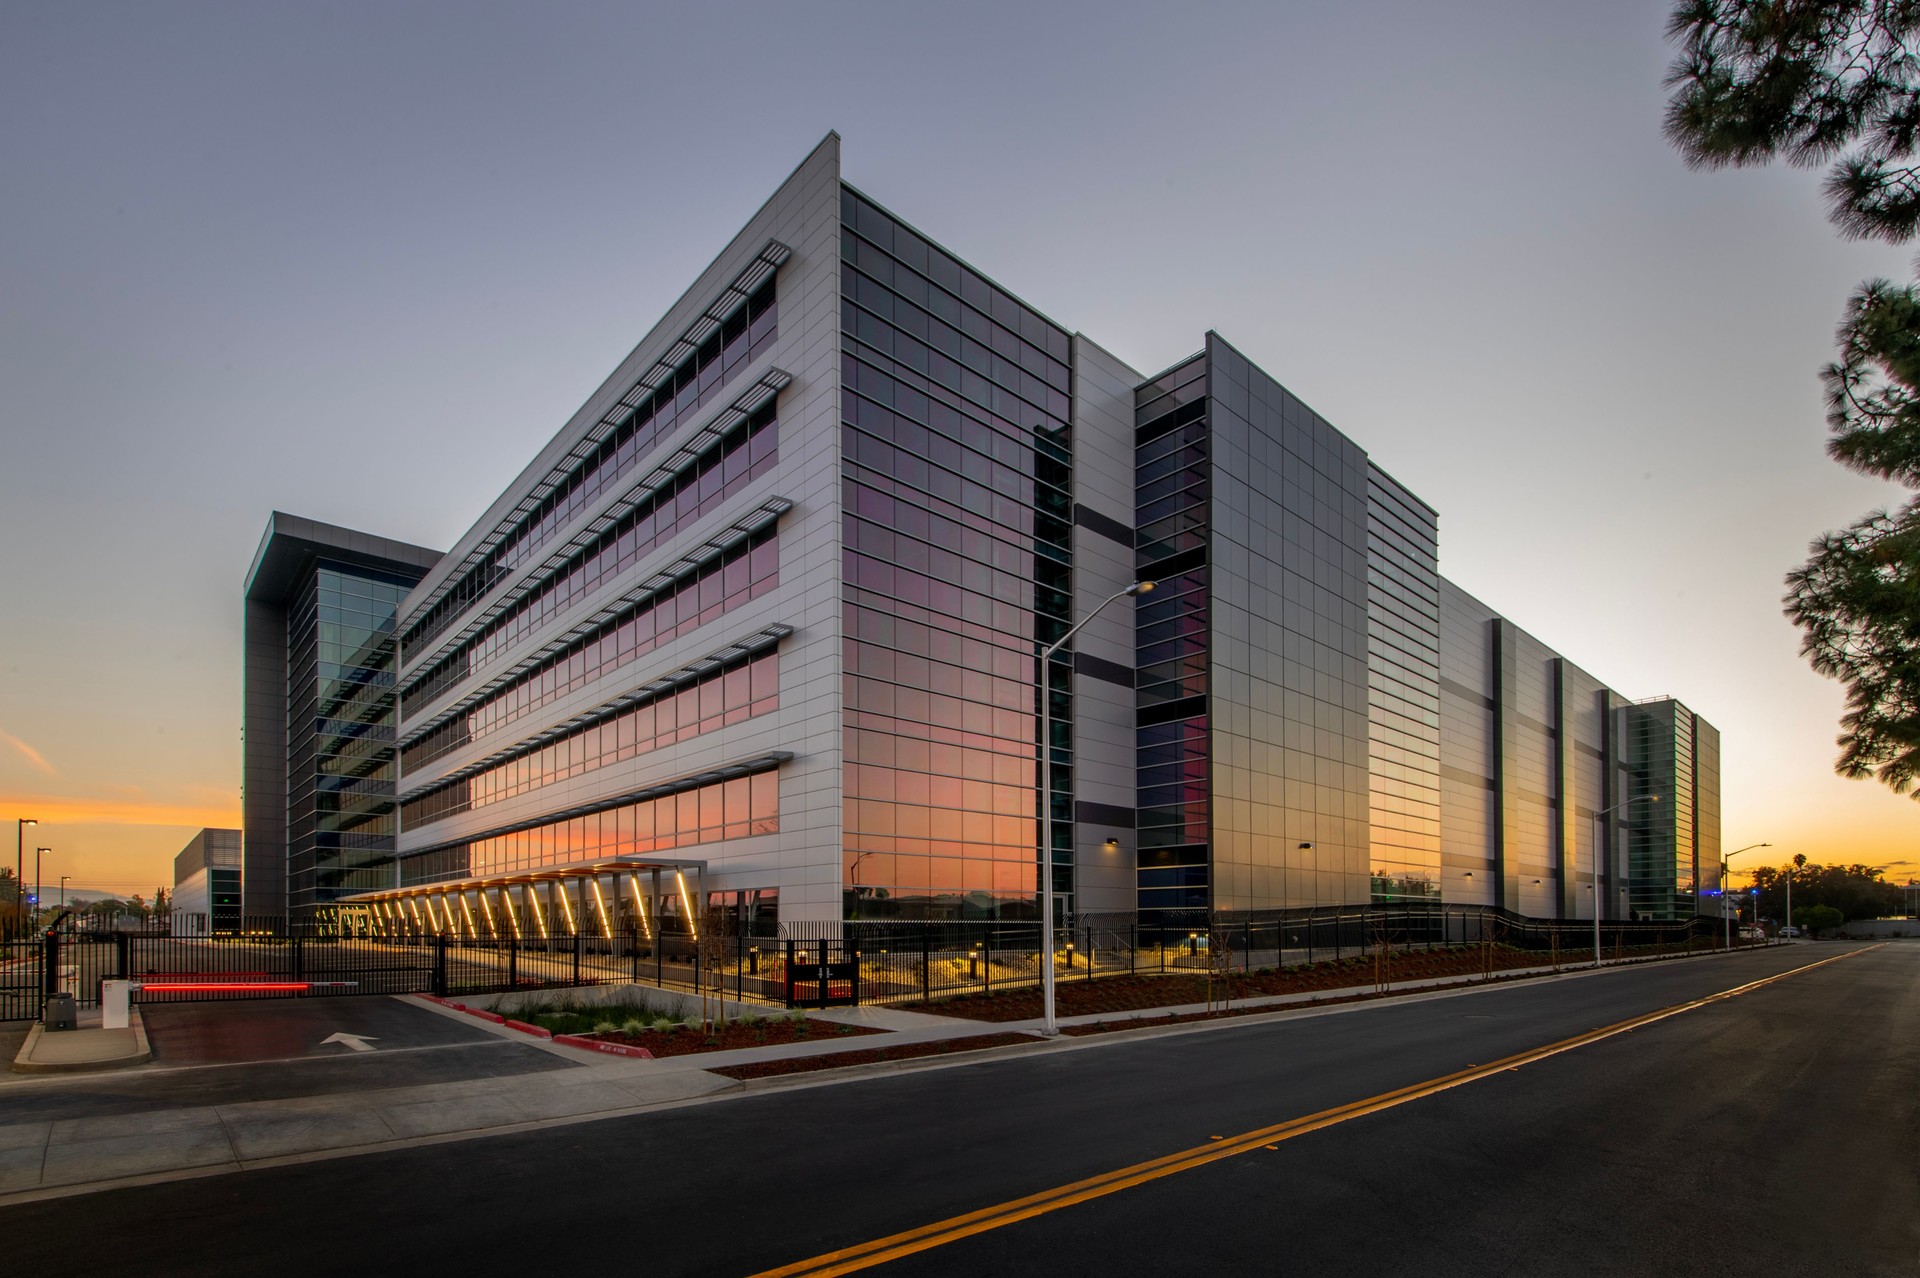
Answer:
[(602, 897), (546, 873)]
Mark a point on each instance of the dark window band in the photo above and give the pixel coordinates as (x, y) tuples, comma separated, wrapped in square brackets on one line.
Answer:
[(1108, 527)]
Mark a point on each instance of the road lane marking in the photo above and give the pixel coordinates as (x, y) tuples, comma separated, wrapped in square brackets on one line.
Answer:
[(880, 1251), (357, 1042)]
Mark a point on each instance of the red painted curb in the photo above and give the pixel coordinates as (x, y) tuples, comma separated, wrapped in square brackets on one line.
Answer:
[(435, 998), (601, 1045), (495, 1017), (525, 1028)]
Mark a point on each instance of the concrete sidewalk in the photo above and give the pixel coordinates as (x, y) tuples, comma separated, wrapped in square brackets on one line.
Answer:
[(113, 1149)]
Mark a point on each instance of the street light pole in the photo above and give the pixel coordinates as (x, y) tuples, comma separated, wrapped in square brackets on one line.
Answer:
[(1723, 885), (1048, 1027), (37, 854), (20, 861), (1598, 817)]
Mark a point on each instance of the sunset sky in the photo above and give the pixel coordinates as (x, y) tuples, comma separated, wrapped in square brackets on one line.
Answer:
[(359, 262)]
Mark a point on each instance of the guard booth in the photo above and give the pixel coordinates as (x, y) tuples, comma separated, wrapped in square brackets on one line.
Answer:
[(823, 973)]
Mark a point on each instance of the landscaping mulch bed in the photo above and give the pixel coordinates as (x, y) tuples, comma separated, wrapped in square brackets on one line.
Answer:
[(870, 1055), (734, 1034), (1139, 993)]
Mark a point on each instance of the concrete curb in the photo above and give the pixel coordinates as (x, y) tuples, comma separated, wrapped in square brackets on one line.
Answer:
[(835, 1073), (142, 1052), (601, 1045)]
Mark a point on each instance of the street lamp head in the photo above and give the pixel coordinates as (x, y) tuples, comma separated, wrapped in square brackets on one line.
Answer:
[(1141, 588), (40, 850), (27, 821)]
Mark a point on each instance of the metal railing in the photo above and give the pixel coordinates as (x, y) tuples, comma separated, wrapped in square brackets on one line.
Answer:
[(799, 964), (899, 962), (277, 960)]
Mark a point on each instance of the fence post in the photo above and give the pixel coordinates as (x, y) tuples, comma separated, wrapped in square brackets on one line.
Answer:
[(659, 958), (440, 966), (513, 962), (739, 966), (298, 959), (123, 956), (1133, 946), (853, 948), (926, 965), (576, 958), (1246, 950), (986, 959), (50, 967), (633, 954)]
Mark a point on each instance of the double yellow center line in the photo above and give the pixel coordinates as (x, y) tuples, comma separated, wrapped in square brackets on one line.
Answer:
[(881, 1250)]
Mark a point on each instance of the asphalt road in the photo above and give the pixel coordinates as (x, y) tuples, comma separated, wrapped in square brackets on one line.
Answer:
[(1769, 1133), (231, 1052)]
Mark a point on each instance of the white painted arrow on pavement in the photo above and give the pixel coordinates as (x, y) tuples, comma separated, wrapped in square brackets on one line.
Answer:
[(358, 1042)]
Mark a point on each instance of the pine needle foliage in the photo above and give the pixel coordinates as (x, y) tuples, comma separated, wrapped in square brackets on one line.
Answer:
[(1837, 83)]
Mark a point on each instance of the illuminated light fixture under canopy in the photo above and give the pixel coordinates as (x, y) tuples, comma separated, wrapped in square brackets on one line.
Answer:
[(600, 904)]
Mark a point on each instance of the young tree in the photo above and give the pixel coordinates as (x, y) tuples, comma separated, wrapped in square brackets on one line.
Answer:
[(13, 911), (1836, 83), (1815, 919)]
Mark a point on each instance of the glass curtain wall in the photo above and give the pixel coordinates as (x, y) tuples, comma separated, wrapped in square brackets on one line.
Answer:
[(1403, 692), (1172, 493), (1662, 854), (956, 486), (341, 816)]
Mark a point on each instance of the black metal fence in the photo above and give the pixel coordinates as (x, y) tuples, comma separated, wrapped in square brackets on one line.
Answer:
[(22, 979), (801, 964), (265, 962), (894, 962)]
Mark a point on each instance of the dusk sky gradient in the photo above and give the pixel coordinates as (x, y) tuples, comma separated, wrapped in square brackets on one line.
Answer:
[(359, 262)]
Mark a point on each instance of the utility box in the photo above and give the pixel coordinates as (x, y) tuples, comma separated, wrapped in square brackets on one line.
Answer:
[(62, 1013), (114, 998)]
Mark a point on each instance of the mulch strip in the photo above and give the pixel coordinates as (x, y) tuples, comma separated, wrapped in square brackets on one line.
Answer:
[(735, 1034), (870, 1055)]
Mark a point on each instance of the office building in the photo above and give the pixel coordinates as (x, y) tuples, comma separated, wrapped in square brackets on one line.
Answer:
[(756, 632), (206, 884), (317, 791)]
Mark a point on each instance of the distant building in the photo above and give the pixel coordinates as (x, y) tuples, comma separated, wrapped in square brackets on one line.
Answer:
[(318, 785), (206, 884)]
